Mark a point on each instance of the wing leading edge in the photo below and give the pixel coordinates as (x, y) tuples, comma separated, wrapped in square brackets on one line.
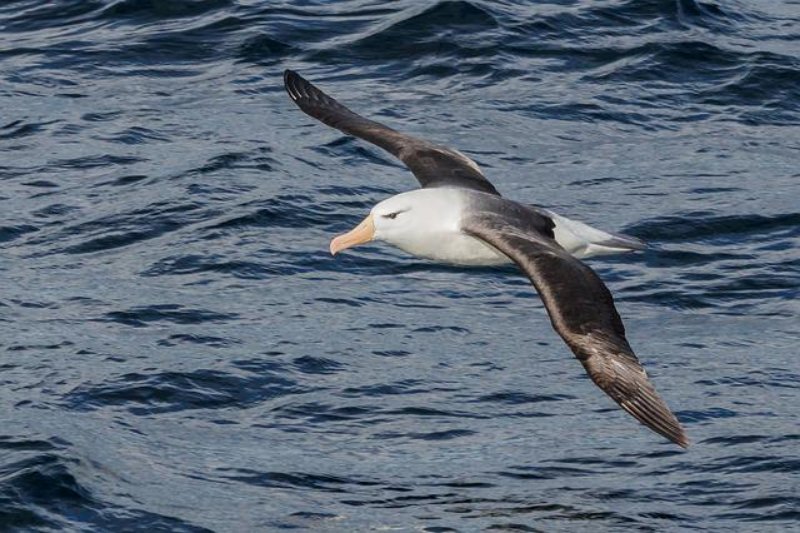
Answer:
[(431, 164)]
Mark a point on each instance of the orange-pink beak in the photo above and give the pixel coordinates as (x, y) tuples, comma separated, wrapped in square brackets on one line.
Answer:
[(362, 233)]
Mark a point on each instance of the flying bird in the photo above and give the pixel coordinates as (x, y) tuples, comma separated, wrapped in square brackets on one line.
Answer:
[(458, 217)]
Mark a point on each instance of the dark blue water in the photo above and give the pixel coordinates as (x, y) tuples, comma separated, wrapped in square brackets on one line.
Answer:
[(179, 352)]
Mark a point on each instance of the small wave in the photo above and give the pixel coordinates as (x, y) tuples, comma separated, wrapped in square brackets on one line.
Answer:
[(445, 29), (168, 392), (146, 9), (136, 135), (9, 233), (121, 230), (46, 492), (696, 226), (216, 264), (295, 480), (407, 386), (205, 340), (449, 434), (264, 50), (521, 398), (282, 211), (169, 313), (19, 129)]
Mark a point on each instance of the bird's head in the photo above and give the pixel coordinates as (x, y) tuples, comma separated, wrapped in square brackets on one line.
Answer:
[(401, 220)]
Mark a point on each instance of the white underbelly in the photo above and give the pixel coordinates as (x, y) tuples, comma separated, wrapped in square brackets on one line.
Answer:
[(456, 249)]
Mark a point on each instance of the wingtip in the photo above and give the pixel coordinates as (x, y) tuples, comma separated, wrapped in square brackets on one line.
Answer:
[(682, 440), (297, 87), (674, 432), (289, 77), (650, 410)]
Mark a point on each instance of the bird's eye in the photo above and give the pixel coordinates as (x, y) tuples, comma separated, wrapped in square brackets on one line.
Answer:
[(392, 215)]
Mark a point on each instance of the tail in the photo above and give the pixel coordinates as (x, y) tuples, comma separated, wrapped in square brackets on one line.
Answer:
[(582, 240)]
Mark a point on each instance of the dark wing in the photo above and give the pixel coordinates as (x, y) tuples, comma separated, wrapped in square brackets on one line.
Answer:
[(582, 312), (432, 165)]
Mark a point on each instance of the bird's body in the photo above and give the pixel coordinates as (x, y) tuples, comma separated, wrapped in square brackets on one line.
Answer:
[(458, 217), (436, 233)]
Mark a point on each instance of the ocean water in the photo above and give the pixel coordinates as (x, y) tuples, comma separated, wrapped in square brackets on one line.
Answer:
[(179, 352)]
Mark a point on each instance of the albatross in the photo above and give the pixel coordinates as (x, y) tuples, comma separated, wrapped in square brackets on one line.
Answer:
[(458, 217)]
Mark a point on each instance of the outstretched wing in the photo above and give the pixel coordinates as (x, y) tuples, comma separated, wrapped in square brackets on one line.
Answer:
[(582, 311), (432, 165)]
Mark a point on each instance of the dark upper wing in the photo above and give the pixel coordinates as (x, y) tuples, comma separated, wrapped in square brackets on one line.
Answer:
[(432, 165), (582, 312)]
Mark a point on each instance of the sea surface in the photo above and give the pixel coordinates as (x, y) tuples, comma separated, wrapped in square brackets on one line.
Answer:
[(179, 351)]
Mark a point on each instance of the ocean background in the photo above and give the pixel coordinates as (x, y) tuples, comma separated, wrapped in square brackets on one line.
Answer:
[(179, 352)]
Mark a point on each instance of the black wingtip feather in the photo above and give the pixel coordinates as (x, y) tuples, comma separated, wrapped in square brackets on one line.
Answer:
[(291, 82), (659, 419), (312, 100), (300, 88)]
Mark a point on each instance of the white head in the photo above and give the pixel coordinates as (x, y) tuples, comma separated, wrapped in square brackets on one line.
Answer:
[(406, 220)]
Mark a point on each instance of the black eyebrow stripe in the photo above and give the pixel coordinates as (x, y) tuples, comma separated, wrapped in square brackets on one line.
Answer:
[(395, 213)]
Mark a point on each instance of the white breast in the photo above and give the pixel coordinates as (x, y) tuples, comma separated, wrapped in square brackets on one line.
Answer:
[(455, 248)]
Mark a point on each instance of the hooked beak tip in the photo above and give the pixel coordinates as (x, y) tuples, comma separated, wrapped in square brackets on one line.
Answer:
[(362, 233)]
